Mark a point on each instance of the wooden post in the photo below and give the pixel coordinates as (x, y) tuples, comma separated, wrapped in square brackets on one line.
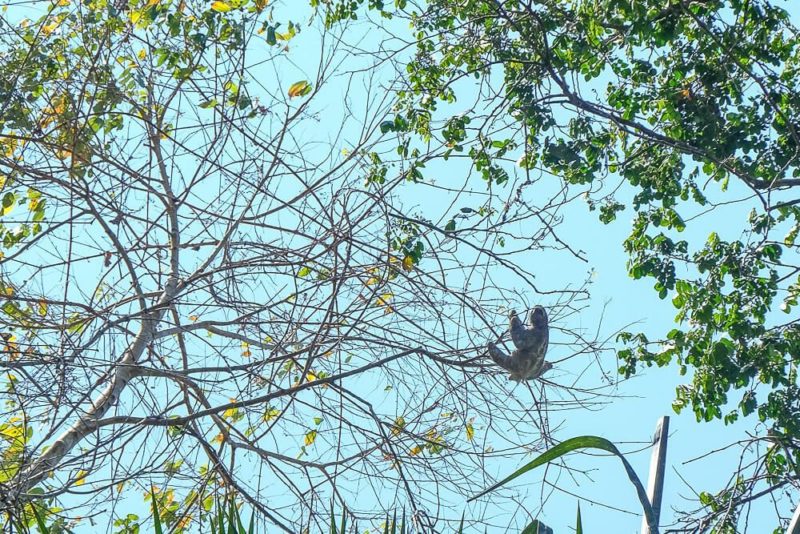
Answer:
[(658, 464)]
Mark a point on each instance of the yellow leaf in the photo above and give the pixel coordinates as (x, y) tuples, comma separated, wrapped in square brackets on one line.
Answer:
[(42, 308), (261, 4), (193, 318), (310, 376), (9, 291), (384, 299), (220, 7), (80, 480), (470, 432), (415, 451), (372, 281), (142, 54), (399, 425), (218, 439), (299, 89), (271, 413), (310, 437), (408, 263), (120, 486), (47, 29)]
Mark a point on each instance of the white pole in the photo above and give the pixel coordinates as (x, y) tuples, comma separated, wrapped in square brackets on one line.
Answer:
[(658, 464), (794, 525)]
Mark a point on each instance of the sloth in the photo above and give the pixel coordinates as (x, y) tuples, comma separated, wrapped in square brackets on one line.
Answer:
[(527, 362)]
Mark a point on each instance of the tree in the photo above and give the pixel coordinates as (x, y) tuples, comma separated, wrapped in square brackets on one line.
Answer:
[(207, 293), (683, 113)]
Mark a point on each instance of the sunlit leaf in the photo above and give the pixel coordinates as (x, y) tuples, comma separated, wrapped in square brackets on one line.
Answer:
[(80, 479), (399, 425), (220, 7), (299, 89)]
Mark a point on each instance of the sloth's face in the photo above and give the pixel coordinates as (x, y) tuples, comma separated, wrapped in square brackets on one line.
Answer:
[(539, 317)]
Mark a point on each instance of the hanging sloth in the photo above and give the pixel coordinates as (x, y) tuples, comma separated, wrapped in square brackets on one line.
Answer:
[(527, 362)]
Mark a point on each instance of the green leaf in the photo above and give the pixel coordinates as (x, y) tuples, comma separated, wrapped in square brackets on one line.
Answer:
[(578, 443), (156, 515), (39, 519), (299, 89), (536, 527)]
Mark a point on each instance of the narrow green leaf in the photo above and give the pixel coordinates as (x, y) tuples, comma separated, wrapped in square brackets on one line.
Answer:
[(39, 520), (156, 516), (220, 516), (537, 527), (577, 443), (239, 524), (578, 522), (344, 520), (231, 515)]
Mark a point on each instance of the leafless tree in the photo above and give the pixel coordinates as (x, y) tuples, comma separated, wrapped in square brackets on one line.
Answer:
[(227, 278)]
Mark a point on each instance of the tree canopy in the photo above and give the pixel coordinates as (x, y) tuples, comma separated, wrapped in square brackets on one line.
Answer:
[(258, 249), (672, 111)]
